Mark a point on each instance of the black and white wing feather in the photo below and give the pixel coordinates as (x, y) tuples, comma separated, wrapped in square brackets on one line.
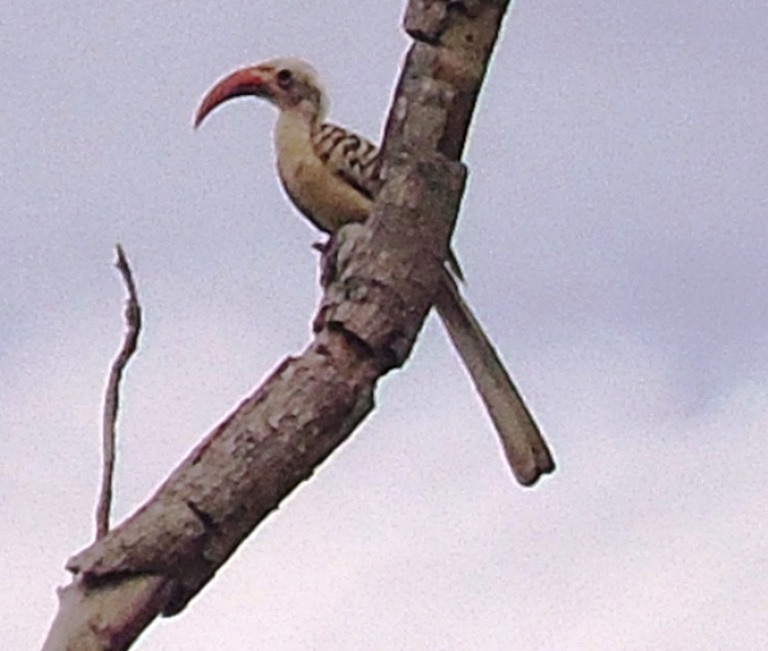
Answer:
[(352, 157)]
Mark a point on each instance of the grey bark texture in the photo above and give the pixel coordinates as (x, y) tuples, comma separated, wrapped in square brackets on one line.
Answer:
[(387, 274)]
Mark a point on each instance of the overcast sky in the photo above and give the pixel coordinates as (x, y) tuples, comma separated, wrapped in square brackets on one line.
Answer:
[(615, 243)]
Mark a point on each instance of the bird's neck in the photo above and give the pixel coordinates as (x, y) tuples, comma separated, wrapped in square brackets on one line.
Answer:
[(293, 134)]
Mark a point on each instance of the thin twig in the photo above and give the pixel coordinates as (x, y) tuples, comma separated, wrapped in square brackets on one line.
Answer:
[(112, 396)]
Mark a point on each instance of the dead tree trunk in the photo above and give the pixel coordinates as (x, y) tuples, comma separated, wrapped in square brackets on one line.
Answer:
[(387, 273)]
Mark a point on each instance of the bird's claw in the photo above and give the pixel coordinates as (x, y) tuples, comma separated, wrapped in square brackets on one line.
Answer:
[(328, 253)]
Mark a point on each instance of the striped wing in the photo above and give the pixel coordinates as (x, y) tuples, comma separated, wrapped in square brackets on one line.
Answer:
[(358, 162), (353, 158)]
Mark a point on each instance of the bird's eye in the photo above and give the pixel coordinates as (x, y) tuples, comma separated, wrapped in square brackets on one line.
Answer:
[(284, 78)]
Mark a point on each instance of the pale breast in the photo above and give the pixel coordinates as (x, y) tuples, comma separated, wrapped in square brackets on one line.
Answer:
[(323, 196)]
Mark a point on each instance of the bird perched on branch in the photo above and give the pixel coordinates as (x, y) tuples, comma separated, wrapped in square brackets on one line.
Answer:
[(332, 176)]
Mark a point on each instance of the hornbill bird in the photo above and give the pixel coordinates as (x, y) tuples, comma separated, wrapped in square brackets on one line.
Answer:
[(332, 175)]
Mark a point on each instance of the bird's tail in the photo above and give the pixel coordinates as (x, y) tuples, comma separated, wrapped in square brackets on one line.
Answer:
[(524, 446)]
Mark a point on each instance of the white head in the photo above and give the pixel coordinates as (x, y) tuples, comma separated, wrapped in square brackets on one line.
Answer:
[(288, 83)]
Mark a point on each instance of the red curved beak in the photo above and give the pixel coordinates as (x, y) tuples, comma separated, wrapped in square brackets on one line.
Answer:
[(247, 81)]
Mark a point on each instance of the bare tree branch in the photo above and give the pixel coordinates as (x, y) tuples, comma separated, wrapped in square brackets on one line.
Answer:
[(388, 272), (112, 395)]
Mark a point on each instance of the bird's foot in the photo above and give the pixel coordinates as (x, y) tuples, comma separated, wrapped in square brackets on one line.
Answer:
[(328, 253)]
